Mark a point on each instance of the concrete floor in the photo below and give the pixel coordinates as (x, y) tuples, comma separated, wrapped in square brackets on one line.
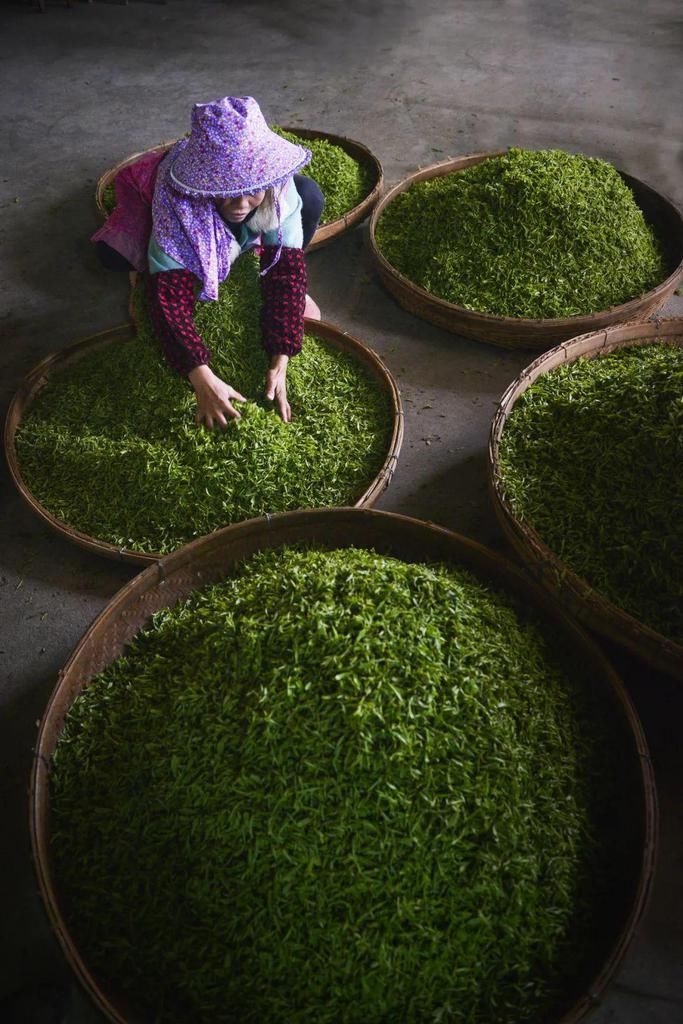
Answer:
[(416, 80)]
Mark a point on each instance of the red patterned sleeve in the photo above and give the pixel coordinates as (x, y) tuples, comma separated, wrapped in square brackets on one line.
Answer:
[(171, 299), (284, 300)]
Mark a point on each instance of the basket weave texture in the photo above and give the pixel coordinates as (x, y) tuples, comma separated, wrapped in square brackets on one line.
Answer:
[(519, 332), (575, 594), (209, 559)]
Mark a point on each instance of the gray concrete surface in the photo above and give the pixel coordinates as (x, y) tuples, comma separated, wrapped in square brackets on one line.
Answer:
[(416, 80)]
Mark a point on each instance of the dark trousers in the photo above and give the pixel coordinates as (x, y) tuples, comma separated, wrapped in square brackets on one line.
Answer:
[(312, 206), (111, 259)]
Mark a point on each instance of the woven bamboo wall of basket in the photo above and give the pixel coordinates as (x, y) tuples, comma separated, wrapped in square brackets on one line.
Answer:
[(210, 558), (518, 332), (326, 233), (53, 364), (575, 594)]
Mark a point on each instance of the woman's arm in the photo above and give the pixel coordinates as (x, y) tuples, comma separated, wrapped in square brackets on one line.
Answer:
[(171, 300), (283, 289), (282, 318)]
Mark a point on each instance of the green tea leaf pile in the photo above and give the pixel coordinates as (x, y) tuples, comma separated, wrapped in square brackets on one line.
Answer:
[(591, 459), (529, 234), (109, 198), (344, 181), (336, 787), (110, 445)]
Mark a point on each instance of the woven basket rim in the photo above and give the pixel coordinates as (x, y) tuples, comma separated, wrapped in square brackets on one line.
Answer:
[(55, 362), (597, 610), (458, 163), (325, 233), (333, 528)]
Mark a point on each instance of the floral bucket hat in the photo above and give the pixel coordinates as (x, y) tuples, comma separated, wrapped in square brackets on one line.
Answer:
[(232, 151)]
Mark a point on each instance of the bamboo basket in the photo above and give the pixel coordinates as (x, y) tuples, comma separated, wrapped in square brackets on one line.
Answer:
[(211, 558), (326, 233), (574, 593), (519, 332), (53, 364)]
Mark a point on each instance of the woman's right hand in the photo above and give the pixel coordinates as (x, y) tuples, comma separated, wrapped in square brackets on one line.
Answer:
[(214, 398)]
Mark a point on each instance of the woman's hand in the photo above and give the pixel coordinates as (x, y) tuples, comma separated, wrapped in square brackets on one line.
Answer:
[(214, 398), (276, 386)]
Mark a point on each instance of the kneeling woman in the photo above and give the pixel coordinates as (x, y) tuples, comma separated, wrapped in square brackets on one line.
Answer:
[(187, 215)]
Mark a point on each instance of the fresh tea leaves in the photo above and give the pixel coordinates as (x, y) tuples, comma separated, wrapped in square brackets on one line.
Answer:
[(110, 445), (339, 787), (344, 181), (591, 458), (109, 198), (529, 234)]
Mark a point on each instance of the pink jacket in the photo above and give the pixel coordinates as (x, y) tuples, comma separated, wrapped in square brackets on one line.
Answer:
[(129, 226)]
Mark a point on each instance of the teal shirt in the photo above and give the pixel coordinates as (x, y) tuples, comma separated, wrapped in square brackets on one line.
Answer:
[(292, 237), (159, 260)]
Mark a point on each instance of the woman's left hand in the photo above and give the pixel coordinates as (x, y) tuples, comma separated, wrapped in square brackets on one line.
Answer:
[(276, 386)]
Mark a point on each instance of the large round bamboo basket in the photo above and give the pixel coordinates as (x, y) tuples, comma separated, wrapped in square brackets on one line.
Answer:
[(518, 332), (575, 594), (210, 558), (326, 233), (53, 364)]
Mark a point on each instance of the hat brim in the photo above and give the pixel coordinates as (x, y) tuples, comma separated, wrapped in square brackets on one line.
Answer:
[(290, 161)]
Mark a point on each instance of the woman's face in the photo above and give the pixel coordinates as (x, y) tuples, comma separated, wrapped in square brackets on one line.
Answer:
[(239, 207)]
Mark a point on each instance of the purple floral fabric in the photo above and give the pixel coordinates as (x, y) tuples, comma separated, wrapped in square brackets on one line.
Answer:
[(191, 230), (231, 150)]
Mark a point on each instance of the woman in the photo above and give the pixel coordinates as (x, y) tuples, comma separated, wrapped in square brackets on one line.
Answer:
[(227, 188)]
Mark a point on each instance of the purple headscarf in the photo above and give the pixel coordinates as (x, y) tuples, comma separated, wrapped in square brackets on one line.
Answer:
[(191, 230)]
